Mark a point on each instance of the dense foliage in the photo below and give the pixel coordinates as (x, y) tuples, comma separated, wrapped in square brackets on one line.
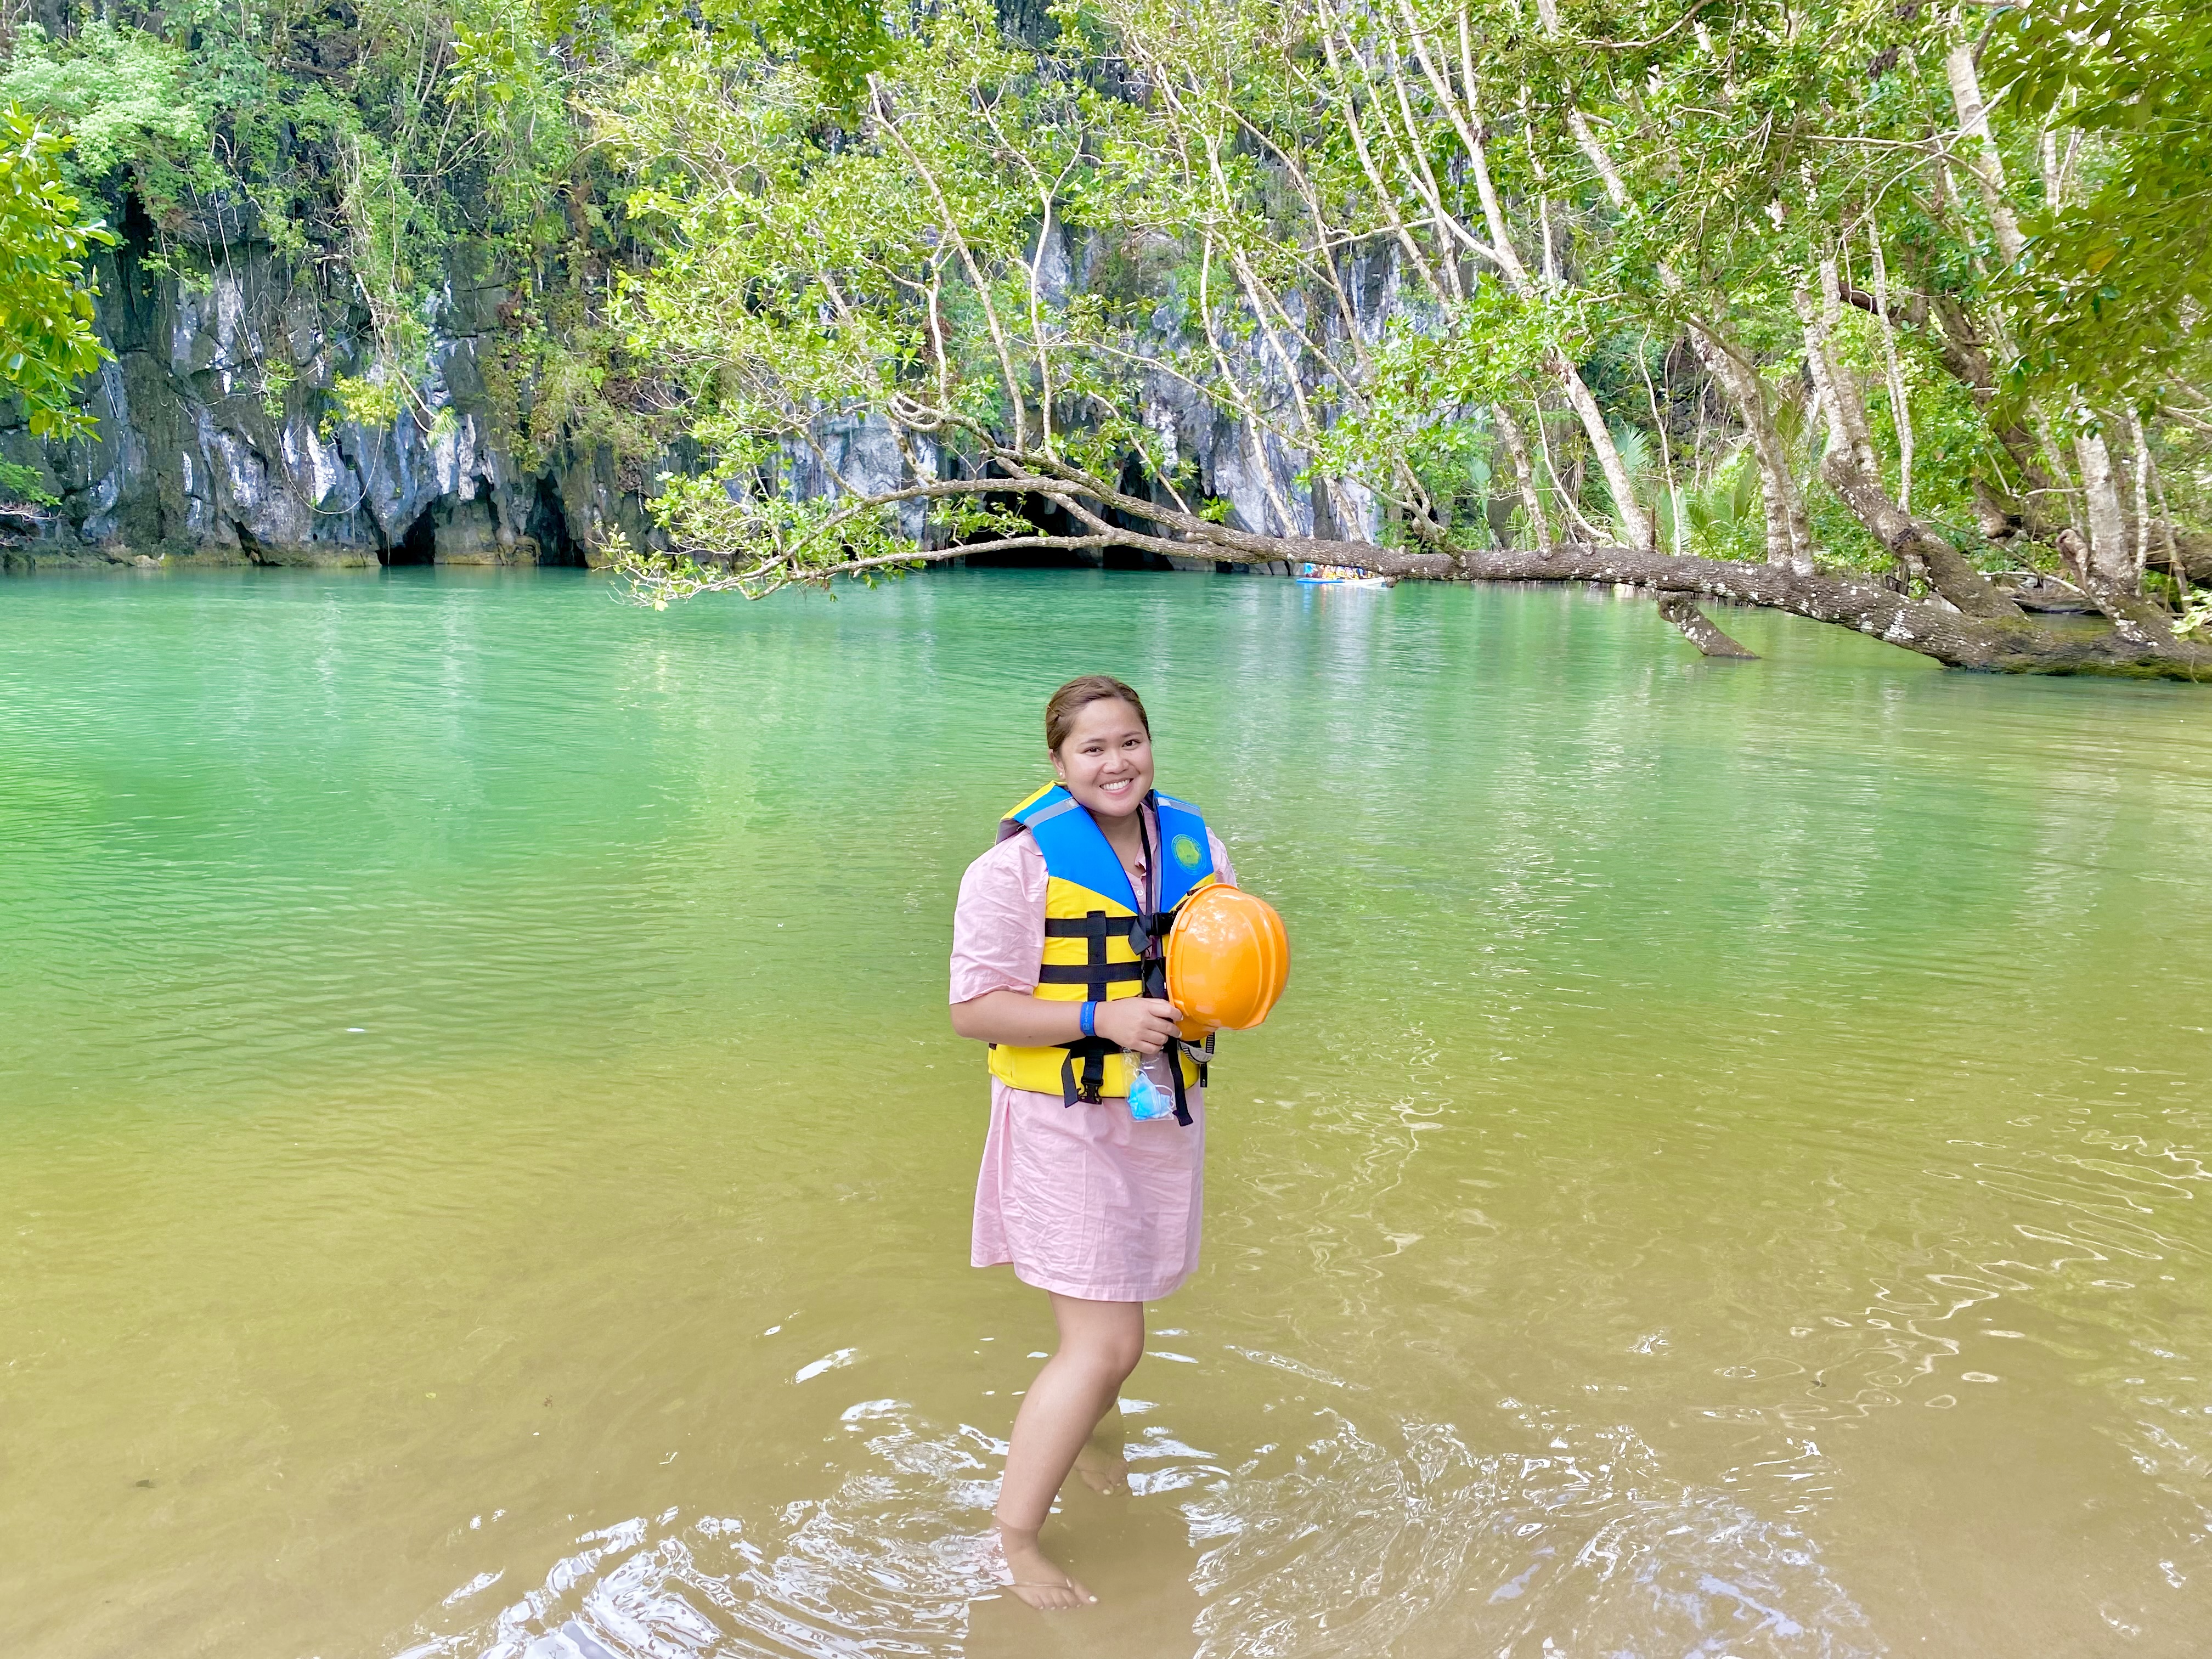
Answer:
[(2122, 276), (359, 142), (1846, 286), (1748, 280), (46, 339)]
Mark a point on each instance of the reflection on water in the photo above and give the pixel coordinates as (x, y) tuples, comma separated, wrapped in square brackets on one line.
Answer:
[(484, 1172)]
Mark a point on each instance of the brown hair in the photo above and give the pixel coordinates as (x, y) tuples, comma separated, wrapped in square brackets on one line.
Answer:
[(1059, 714)]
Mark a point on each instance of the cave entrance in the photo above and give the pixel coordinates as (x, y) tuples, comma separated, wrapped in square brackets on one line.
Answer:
[(1052, 520), (1049, 518), (548, 525), (1134, 484), (418, 546), (1043, 515)]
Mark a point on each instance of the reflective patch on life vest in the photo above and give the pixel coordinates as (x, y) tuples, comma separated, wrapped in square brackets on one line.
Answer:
[(1188, 852)]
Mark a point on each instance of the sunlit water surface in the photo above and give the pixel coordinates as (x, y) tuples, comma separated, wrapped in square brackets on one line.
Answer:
[(484, 1170)]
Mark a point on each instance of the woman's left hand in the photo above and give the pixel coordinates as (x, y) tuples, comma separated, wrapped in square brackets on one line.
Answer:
[(1144, 1023)]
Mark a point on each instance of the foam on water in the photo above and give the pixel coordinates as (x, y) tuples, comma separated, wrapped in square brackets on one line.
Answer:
[(1389, 1545)]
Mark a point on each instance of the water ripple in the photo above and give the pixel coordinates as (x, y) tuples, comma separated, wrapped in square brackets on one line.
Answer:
[(1415, 1545), (1390, 1546)]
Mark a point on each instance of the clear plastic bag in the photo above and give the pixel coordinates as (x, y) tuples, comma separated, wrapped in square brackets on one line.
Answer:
[(1147, 1100)]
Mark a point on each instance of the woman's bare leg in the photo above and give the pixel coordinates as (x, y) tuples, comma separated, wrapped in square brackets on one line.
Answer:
[(1100, 1344)]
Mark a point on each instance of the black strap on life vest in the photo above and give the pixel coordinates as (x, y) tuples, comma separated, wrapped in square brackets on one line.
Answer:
[(1086, 1084), (1153, 951), (1095, 973)]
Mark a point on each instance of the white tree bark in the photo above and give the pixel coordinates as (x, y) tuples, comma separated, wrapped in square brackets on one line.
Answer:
[(2141, 440), (1788, 535), (1982, 157), (1524, 474), (2110, 555), (1466, 121), (1901, 405)]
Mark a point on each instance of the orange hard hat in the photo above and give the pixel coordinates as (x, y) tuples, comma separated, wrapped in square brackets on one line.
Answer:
[(1228, 960)]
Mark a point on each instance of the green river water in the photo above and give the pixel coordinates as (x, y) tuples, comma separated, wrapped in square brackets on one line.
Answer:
[(485, 1170)]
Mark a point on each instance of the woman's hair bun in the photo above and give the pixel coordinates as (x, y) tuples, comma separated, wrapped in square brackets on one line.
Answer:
[(1059, 712)]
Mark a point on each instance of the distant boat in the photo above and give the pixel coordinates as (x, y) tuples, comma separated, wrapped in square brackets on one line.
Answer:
[(1340, 575)]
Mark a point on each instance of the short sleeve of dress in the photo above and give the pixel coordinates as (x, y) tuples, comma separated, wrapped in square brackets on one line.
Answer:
[(998, 925), (1222, 867)]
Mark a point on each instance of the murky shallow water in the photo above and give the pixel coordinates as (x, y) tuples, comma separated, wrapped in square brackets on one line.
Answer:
[(484, 1170)]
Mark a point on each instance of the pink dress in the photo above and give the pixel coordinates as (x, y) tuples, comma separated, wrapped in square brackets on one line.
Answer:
[(1082, 1199)]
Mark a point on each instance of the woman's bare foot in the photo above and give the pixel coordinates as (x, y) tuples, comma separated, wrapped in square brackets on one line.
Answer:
[(1100, 1462), (1103, 1469), (1036, 1578)]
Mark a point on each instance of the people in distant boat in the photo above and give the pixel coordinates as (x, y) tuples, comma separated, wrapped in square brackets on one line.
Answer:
[(1347, 576)]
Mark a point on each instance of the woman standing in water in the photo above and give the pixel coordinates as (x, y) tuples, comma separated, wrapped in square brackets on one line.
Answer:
[(1092, 1180)]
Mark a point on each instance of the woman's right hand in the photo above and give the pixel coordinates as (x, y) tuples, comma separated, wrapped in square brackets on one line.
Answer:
[(1144, 1023)]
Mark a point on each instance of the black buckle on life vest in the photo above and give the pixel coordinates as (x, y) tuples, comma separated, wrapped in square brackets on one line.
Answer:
[(1087, 1085), (1141, 933), (1200, 1052)]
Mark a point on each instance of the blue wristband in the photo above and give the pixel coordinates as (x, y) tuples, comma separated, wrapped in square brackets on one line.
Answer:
[(1089, 1019)]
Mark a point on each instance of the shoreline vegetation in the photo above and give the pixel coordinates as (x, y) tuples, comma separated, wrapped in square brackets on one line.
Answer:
[(1888, 317)]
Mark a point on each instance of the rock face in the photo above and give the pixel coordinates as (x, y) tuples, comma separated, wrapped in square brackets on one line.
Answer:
[(1241, 464), (1248, 465), (216, 442), (215, 445)]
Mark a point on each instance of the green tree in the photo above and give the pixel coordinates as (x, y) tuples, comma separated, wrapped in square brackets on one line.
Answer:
[(2117, 280), (129, 102), (1542, 194), (46, 339)]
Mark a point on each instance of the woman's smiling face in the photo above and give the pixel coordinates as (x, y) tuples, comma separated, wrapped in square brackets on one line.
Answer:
[(1106, 760)]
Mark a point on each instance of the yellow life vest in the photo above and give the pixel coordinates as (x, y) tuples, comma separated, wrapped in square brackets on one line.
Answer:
[(1100, 943)]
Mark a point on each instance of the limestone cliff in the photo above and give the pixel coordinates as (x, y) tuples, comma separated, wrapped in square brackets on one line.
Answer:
[(216, 442)]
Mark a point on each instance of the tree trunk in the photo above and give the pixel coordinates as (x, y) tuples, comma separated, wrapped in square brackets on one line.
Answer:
[(2141, 644), (1841, 398), (2004, 511), (2135, 618), (1789, 537), (1699, 630), (2005, 645), (1851, 470), (2114, 560), (1982, 158), (1635, 522), (1524, 474)]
